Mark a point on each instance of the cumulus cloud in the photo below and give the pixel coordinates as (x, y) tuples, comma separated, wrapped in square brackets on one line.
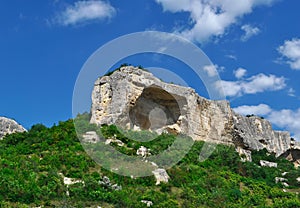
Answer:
[(285, 119), (240, 73), (230, 88), (212, 70), (290, 51), (261, 109), (255, 84), (85, 11), (249, 32), (210, 18)]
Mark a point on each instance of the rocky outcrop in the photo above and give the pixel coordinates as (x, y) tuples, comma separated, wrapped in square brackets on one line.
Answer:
[(143, 151), (161, 175), (133, 98), (244, 154), (293, 154), (256, 133), (265, 163), (90, 137), (9, 126)]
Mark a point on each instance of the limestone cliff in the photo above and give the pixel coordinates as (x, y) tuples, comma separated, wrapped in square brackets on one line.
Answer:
[(136, 99), (8, 126)]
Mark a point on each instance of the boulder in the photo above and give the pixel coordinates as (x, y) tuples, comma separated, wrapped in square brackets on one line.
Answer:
[(279, 179), (161, 175), (148, 203), (143, 151), (91, 137), (265, 163), (244, 154)]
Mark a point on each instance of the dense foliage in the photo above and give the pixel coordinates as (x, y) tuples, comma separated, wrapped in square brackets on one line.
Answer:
[(32, 165)]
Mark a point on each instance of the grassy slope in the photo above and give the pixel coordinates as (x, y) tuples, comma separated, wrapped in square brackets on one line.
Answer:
[(30, 163)]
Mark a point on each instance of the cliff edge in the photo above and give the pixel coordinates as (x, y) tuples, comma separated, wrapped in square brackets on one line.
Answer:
[(134, 98)]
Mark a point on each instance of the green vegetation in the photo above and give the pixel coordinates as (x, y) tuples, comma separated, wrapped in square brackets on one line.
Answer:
[(31, 163)]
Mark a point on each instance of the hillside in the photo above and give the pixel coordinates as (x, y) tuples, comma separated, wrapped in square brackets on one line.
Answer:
[(37, 166)]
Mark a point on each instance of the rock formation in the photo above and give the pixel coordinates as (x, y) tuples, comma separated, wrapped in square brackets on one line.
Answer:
[(293, 154), (133, 98), (9, 126), (161, 175), (269, 164)]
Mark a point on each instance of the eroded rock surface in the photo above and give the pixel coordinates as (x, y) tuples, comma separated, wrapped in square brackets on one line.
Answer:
[(135, 99), (9, 126), (255, 133), (293, 154)]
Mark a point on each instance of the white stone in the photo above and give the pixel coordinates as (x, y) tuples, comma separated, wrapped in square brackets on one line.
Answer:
[(71, 181), (108, 141), (119, 142), (279, 179), (91, 137), (265, 163), (285, 184), (142, 151), (244, 154), (161, 175), (148, 203)]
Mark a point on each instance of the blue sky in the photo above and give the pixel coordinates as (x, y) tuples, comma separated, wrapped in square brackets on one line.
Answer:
[(254, 44)]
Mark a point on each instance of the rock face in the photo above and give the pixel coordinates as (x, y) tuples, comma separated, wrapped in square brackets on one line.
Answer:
[(293, 154), (9, 126), (256, 133), (135, 99)]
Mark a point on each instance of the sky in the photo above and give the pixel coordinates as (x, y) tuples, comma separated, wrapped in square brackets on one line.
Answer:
[(253, 44)]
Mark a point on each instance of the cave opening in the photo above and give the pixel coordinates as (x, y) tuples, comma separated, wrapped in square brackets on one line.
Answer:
[(155, 108)]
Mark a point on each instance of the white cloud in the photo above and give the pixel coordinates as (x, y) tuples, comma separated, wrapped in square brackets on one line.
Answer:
[(291, 92), (210, 17), (290, 50), (211, 70), (249, 32), (262, 82), (230, 56), (85, 11), (229, 88), (240, 73), (285, 119), (255, 84), (261, 109)]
